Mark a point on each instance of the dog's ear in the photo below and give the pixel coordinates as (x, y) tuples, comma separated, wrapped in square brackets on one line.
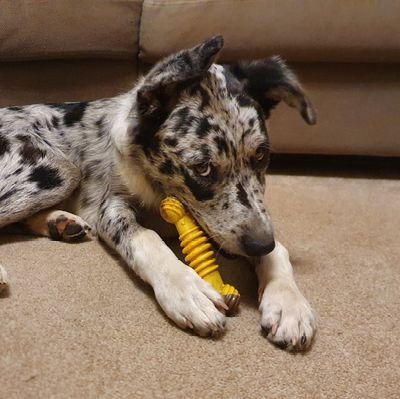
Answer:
[(269, 82), (162, 85)]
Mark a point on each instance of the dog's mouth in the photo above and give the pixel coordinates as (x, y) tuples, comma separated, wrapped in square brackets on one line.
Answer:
[(214, 243), (222, 251)]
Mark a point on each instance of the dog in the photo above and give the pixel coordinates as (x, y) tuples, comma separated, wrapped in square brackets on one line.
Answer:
[(190, 128)]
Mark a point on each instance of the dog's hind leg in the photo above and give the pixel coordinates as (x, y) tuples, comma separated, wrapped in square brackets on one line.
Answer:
[(33, 177), (58, 225), (29, 186)]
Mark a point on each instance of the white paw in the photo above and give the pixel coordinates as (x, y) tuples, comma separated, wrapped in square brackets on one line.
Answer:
[(191, 302), (286, 317), (3, 278)]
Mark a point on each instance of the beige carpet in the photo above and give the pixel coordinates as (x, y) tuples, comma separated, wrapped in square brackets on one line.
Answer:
[(77, 324)]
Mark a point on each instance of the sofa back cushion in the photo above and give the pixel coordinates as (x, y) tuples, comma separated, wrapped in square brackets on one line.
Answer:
[(50, 29), (305, 31)]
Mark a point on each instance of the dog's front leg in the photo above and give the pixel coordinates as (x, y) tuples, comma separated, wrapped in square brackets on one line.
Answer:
[(286, 316), (188, 300)]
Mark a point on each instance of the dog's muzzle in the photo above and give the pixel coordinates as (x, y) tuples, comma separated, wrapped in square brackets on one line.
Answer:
[(254, 246)]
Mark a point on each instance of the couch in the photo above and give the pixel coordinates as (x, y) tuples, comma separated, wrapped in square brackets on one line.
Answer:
[(76, 323), (346, 53)]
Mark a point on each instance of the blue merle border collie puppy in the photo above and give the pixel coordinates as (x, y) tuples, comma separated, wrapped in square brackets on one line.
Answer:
[(189, 128)]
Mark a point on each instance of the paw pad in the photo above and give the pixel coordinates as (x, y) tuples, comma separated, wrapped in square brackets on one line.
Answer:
[(67, 229)]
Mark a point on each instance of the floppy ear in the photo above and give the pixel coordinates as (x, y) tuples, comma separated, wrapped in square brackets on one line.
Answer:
[(161, 87), (269, 82)]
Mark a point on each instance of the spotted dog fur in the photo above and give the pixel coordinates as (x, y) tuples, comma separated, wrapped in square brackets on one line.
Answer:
[(189, 128)]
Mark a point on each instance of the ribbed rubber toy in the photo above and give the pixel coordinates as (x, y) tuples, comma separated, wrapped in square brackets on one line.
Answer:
[(198, 251)]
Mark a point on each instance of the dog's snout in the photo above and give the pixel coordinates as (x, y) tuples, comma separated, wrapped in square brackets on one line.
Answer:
[(257, 247)]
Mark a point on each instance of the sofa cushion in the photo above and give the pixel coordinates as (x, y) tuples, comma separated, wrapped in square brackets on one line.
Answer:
[(358, 112), (35, 82), (308, 30), (68, 29)]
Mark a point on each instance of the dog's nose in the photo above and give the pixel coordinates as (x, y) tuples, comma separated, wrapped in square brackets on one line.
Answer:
[(257, 247)]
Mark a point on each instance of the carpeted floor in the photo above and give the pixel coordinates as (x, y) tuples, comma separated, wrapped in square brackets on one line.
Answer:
[(77, 324)]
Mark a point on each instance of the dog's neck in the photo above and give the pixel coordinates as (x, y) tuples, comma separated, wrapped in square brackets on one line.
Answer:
[(136, 183), (129, 170)]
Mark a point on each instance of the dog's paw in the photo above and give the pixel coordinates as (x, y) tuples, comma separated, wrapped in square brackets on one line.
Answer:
[(286, 317), (64, 226), (3, 279), (191, 302)]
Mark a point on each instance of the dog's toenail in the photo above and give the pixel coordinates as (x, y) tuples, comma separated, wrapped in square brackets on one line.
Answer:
[(274, 329), (303, 339), (267, 330), (281, 344)]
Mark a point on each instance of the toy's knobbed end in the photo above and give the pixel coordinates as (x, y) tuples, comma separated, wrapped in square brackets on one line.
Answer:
[(232, 301), (172, 210)]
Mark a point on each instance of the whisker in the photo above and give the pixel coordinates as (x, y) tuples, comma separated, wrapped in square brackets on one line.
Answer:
[(220, 248), (212, 236)]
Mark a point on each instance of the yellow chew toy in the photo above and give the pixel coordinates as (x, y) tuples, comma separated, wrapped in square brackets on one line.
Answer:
[(197, 250)]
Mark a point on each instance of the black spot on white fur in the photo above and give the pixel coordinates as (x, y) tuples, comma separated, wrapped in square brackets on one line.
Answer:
[(29, 152), (4, 145), (15, 109), (204, 127), (73, 112), (221, 144), (55, 122), (201, 191), (8, 194), (45, 177), (242, 196), (167, 167), (171, 141)]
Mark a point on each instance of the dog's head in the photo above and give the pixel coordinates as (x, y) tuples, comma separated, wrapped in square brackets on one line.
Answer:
[(200, 132)]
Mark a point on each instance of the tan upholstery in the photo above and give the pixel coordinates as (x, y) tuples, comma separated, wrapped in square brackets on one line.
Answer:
[(63, 80), (358, 111), (307, 30), (345, 52), (50, 29)]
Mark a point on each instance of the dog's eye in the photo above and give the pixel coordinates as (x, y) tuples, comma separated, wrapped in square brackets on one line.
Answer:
[(261, 153), (203, 169), (261, 157)]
